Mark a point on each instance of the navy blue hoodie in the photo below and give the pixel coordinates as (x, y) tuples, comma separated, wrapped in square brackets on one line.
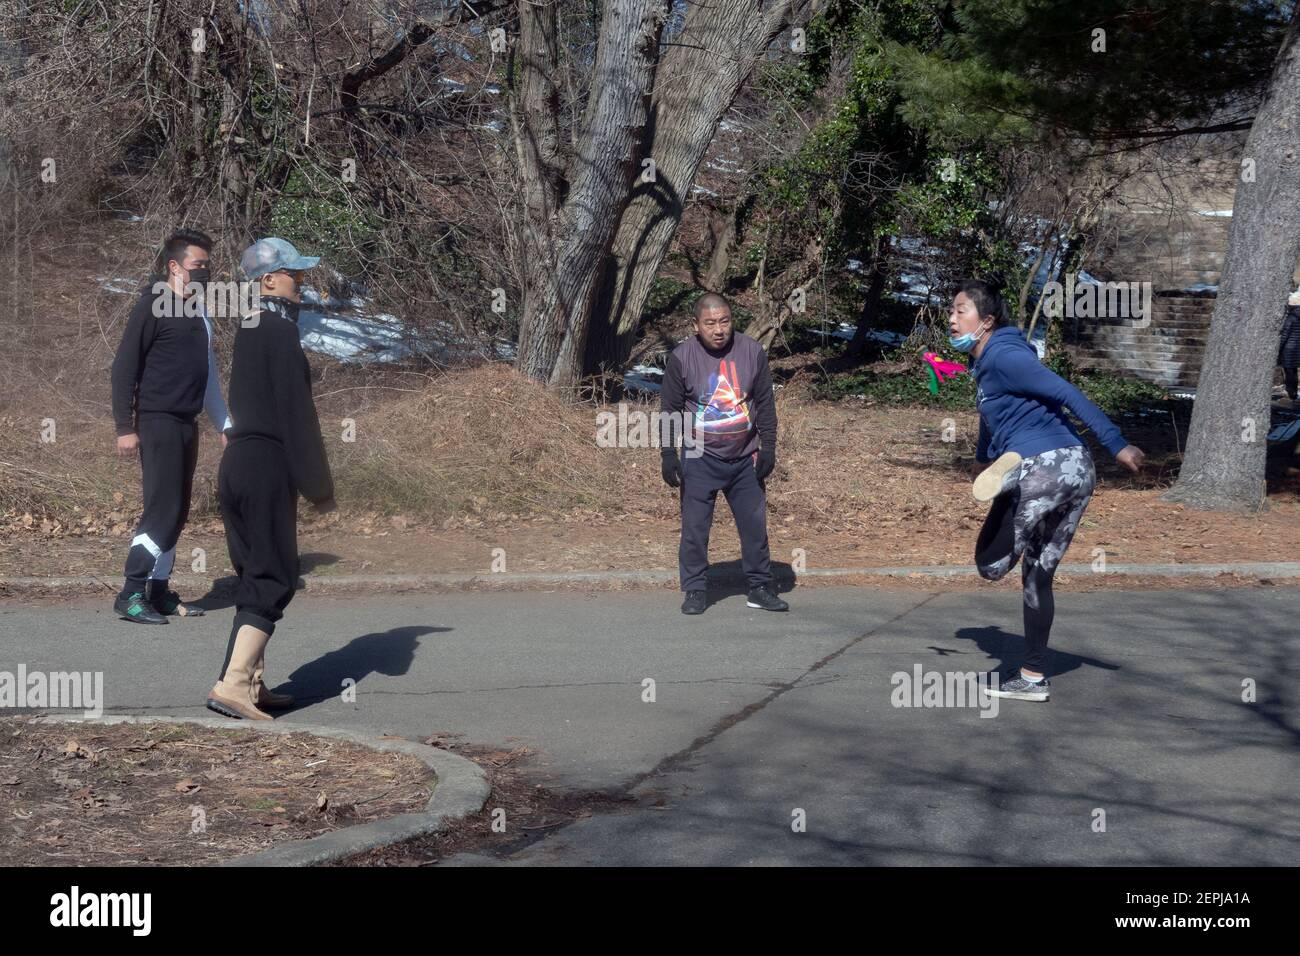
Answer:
[(1022, 404)]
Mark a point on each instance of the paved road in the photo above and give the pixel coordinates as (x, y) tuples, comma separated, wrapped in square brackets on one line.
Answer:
[(758, 716)]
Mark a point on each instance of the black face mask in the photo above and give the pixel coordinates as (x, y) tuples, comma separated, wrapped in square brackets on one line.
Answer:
[(197, 281)]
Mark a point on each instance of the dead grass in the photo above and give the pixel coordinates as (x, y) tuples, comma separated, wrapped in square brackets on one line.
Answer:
[(484, 448), (480, 440), (126, 795)]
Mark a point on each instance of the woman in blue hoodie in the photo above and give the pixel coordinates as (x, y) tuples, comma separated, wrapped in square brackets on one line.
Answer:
[(1041, 477)]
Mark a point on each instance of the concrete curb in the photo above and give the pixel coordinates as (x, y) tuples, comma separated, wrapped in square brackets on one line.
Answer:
[(462, 789), (326, 583)]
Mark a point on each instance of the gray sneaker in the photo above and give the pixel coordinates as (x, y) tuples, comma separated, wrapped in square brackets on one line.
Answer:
[(1017, 688)]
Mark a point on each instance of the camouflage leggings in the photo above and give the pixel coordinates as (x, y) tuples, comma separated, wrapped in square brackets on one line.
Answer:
[(1038, 517), (1037, 520)]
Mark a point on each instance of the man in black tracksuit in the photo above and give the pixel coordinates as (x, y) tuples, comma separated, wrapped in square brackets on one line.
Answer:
[(275, 454), (163, 374), (720, 382)]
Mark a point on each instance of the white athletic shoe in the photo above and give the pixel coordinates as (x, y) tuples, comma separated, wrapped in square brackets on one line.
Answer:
[(998, 477)]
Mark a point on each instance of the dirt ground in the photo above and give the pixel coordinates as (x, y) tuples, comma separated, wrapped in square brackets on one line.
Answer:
[(518, 811), (443, 469), (168, 794), (907, 517)]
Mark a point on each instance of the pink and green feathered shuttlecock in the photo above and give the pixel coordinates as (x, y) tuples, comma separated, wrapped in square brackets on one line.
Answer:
[(938, 370)]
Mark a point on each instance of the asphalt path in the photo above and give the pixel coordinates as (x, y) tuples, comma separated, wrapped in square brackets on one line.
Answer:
[(779, 738)]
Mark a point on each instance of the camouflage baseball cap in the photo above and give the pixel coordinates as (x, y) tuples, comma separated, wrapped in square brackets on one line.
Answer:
[(272, 255)]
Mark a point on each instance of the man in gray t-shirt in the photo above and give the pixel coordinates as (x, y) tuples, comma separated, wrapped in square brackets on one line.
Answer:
[(720, 380)]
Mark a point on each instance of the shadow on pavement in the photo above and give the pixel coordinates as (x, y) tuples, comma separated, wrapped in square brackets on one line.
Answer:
[(1009, 650), (727, 579), (222, 593), (381, 652)]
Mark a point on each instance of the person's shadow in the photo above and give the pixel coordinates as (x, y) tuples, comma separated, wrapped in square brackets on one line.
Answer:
[(727, 579), (381, 652), (222, 592), (1009, 651)]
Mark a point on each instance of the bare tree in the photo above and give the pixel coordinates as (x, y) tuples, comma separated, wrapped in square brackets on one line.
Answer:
[(697, 81), (1224, 466), (573, 211)]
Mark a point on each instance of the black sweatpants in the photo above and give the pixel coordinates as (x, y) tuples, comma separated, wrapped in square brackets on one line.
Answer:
[(259, 506), (702, 479), (169, 450)]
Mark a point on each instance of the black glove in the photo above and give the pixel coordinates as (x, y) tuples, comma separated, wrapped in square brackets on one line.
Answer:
[(766, 462), (672, 467)]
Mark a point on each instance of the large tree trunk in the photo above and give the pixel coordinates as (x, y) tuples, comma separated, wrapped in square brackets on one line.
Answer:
[(697, 82), (1226, 445), (556, 310)]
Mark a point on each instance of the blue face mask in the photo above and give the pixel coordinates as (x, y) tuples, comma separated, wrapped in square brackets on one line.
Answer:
[(963, 343)]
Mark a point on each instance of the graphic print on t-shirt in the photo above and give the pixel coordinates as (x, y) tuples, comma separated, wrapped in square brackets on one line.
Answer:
[(723, 410)]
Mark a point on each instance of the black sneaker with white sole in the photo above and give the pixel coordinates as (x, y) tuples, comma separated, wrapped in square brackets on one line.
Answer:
[(1015, 687), (134, 607), (765, 600), (169, 603), (695, 603)]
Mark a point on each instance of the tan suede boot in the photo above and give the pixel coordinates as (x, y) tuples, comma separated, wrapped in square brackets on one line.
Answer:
[(263, 695), (235, 695)]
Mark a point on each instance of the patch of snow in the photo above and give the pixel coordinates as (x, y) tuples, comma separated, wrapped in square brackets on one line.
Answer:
[(917, 289), (724, 165), (1039, 340), (1202, 287), (885, 337), (1219, 213), (117, 286), (348, 329), (642, 378), (362, 338), (703, 191)]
